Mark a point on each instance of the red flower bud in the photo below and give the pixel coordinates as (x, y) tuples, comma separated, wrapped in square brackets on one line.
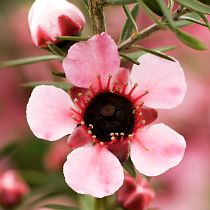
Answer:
[(12, 189), (135, 194), (49, 19)]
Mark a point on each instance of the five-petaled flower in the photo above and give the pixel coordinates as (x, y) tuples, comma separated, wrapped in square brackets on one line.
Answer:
[(108, 110)]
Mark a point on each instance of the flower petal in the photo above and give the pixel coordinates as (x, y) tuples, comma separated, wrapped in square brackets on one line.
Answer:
[(163, 79), (48, 113), (86, 60), (78, 138), (156, 149), (94, 171)]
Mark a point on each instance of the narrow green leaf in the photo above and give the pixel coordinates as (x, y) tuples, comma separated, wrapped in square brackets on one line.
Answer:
[(118, 2), (155, 52), (8, 149), (59, 74), (192, 20), (86, 202), (137, 54), (127, 57), (56, 50), (151, 14), (205, 19), (189, 40), (166, 13), (182, 23), (31, 60), (85, 3), (60, 207), (72, 38), (205, 2), (62, 85), (195, 5), (154, 6), (129, 167), (130, 22)]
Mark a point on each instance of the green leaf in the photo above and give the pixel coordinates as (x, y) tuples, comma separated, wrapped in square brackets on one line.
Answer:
[(60, 207), (8, 149), (195, 5), (127, 57), (85, 3), (118, 2), (56, 50), (62, 85), (192, 20), (205, 2), (137, 54), (155, 52), (189, 40), (31, 60), (185, 22), (151, 14), (59, 74), (72, 38), (86, 202), (205, 19), (130, 22), (129, 167), (154, 6), (166, 13)]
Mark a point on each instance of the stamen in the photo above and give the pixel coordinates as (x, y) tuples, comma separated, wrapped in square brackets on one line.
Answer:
[(133, 88), (91, 90), (122, 136), (115, 85), (75, 111), (76, 101), (130, 136), (99, 82), (124, 88), (142, 95), (108, 82), (113, 138), (82, 123), (82, 99)]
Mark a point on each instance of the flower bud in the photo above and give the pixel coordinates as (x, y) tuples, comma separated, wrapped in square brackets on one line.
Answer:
[(49, 19), (12, 189), (135, 194)]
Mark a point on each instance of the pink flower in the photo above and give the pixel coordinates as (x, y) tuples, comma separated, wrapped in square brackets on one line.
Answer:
[(12, 189), (108, 112), (135, 194), (51, 18)]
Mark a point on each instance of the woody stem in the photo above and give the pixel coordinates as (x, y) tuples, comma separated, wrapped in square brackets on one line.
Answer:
[(97, 15)]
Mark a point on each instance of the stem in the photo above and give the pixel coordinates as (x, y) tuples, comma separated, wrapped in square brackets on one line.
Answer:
[(98, 204), (139, 36), (97, 15), (150, 30)]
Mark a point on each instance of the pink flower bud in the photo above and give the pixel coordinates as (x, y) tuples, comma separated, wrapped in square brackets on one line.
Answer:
[(12, 189), (49, 19), (135, 194)]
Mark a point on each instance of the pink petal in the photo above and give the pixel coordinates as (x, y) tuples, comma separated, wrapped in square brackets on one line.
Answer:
[(86, 60), (149, 115), (74, 91), (156, 149), (48, 113), (121, 149), (94, 171), (79, 138), (163, 79)]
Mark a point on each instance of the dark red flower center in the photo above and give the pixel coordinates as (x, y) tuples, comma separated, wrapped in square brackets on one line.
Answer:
[(109, 113)]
